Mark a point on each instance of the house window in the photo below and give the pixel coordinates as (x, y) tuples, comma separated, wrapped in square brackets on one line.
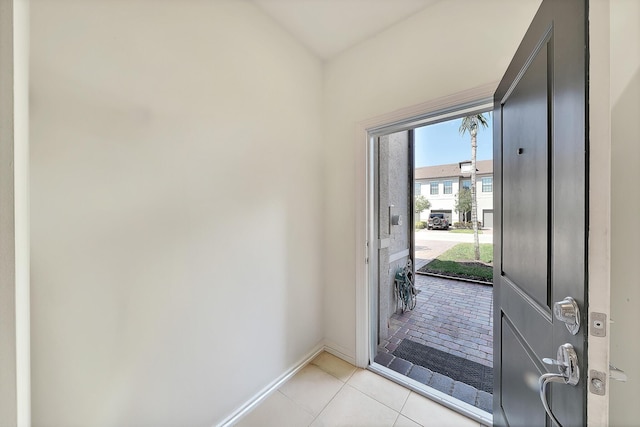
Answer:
[(433, 188), (417, 189), (466, 184), (448, 187), (487, 185)]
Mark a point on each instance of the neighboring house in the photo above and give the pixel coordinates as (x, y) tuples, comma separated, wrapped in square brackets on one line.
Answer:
[(440, 184)]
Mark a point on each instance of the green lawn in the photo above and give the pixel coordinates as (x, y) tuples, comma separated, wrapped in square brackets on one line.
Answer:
[(463, 231), (465, 252), (458, 262)]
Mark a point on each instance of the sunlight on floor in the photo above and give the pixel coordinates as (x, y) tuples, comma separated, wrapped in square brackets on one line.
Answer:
[(331, 392)]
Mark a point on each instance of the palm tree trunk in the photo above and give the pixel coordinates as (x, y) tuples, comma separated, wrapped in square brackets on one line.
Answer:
[(474, 202)]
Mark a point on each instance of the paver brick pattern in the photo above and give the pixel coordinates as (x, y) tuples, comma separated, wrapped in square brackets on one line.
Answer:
[(452, 316)]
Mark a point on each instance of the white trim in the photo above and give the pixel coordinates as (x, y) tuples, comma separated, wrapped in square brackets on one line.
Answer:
[(599, 249), (15, 369), (259, 397), (8, 325), (436, 395), (402, 119), (22, 209), (398, 255), (339, 351), (273, 386)]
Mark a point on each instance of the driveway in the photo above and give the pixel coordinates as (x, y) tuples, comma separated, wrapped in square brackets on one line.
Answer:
[(431, 243), (443, 235)]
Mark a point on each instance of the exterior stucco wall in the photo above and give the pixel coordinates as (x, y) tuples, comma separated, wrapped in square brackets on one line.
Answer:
[(394, 189)]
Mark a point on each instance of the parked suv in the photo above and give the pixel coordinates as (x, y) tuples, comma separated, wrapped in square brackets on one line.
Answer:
[(438, 220)]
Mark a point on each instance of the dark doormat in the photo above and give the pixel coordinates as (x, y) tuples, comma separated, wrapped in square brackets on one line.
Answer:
[(458, 369)]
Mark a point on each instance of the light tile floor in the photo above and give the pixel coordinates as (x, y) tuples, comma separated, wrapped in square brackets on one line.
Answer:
[(330, 392)]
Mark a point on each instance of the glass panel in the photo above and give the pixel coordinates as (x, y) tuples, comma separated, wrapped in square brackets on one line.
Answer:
[(487, 185), (417, 189), (434, 188)]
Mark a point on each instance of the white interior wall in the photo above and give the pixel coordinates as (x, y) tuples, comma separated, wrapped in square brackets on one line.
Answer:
[(450, 47), (625, 234), (138, 109), (176, 209)]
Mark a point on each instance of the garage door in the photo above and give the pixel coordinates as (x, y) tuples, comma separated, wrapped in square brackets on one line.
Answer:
[(487, 218)]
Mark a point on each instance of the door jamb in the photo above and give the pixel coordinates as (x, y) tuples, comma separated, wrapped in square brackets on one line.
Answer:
[(599, 238), (15, 370)]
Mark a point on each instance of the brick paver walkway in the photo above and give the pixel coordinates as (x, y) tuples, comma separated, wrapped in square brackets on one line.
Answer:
[(452, 316)]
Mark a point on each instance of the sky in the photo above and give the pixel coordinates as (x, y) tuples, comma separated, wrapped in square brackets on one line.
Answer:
[(441, 143)]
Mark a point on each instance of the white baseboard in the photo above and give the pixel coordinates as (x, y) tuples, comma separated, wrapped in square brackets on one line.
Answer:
[(340, 352), (273, 386)]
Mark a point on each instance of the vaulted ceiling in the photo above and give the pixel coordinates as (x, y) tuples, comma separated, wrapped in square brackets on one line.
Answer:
[(327, 27)]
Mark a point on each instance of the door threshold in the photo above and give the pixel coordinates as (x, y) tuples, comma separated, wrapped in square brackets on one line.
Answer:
[(437, 396)]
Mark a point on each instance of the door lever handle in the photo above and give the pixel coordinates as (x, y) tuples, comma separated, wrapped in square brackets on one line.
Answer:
[(542, 385), (554, 362), (569, 373)]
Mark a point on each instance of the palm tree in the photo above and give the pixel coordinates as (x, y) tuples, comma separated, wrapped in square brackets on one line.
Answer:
[(470, 124)]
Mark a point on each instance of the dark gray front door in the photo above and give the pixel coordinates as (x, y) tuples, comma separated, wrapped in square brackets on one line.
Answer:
[(540, 212)]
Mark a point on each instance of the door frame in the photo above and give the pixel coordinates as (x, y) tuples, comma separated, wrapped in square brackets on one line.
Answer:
[(599, 203), (473, 99), (15, 369), (599, 241), (441, 109)]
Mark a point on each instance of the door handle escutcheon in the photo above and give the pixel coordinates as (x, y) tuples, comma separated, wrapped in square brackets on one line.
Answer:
[(567, 310), (567, 363)]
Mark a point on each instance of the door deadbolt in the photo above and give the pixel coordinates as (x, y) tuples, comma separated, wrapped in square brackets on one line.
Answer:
[(567, 311)]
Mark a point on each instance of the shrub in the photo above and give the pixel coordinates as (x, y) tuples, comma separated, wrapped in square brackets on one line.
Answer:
[(468, 225), (420, 225)]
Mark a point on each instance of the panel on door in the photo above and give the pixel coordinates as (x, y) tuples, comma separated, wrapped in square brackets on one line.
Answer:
[(540, 214)]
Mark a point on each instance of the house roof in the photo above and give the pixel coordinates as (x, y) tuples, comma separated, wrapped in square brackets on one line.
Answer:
[(451, 170)]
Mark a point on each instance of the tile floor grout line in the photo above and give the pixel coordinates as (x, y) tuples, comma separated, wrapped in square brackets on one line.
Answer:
[(297, 404), (405, 401), (344, 383), (330, 400), (353, 371), (405, 404), (374, 398), (396, 420)]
